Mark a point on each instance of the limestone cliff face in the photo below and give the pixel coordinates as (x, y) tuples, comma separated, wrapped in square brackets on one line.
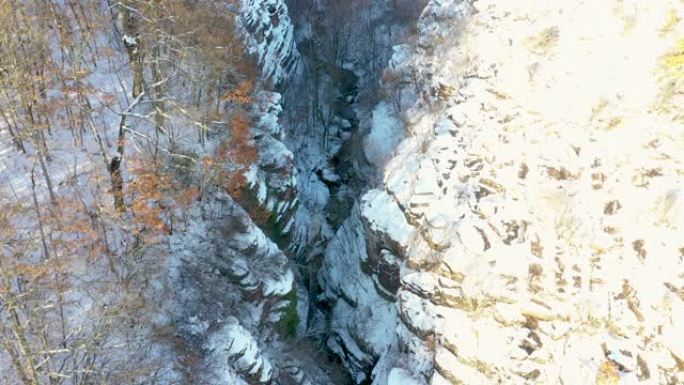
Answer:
[(270, 37), (273, 179), (526, 229), (273, 194), (508, 239), (236, 281), (237, 285)]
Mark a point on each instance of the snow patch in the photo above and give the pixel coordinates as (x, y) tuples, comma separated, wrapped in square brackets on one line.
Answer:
[(387, 131)]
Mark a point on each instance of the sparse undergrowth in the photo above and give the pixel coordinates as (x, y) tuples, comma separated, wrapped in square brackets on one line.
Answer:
[(288, 324)]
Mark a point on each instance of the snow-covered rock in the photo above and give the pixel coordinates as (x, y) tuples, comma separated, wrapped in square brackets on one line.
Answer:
[(273, 179), (386, 133), (363, 320), (236, 356), (270, 36), (529, 221)]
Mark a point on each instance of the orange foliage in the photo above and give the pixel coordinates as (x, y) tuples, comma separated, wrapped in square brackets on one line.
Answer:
[(242, 94), (243, 152), (156, 196), (148, 188), (78, 228), (187, 196), (240, 153), (29, 271)]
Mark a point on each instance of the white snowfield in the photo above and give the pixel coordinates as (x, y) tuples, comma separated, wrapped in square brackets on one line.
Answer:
[(542, 177)]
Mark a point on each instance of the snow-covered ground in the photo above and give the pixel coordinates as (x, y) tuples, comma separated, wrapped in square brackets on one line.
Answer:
[(212, 286)]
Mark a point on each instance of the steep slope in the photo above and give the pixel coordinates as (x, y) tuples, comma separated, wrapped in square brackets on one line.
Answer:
[(234, 309), (526, 229), (179, 282), (270, 36)]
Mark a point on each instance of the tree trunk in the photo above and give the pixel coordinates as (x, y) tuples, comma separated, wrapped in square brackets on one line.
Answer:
[(132, 42), (29, 372), (46, 253), (13, 133), (117, 183)]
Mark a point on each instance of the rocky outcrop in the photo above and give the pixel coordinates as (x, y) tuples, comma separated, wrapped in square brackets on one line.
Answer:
[(270, 37), (238, 288), (273, 179), (235, 284), (361, 316), (526, 229), (233, 343)]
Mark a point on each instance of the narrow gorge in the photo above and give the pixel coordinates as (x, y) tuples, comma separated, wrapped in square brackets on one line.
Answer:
[(438, 263), (326, 192)]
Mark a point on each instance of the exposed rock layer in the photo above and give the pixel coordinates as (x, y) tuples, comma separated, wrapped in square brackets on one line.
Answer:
[(526, 229)]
